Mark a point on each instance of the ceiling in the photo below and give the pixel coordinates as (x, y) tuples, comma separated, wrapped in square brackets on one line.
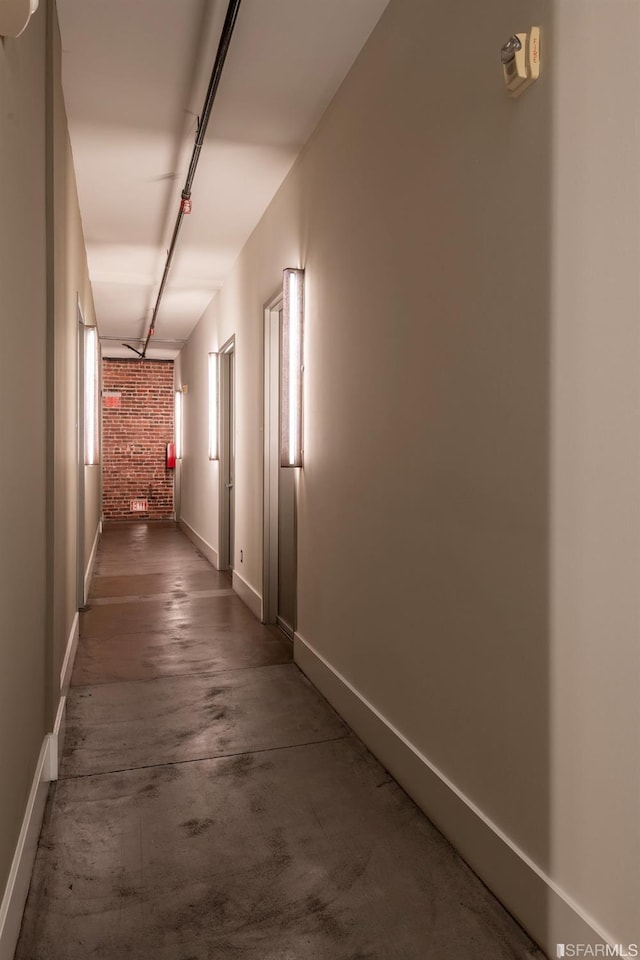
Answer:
[(135, 74)]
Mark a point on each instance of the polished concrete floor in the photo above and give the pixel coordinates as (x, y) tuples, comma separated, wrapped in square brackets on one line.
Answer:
[(212, 805)]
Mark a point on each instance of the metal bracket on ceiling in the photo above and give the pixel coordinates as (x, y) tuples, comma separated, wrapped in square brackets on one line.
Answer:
[(139, 352)]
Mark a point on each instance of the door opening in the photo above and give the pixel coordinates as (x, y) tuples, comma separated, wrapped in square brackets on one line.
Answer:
[(80, 454), (227, 502), (279, 588)]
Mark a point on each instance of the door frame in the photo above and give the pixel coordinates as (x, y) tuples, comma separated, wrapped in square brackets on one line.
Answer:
[(271, 431), (224, 531)]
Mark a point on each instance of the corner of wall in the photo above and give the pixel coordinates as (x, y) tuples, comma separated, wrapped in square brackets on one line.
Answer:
[(203, 545), (17, 888), (547, 913), (247, 594)]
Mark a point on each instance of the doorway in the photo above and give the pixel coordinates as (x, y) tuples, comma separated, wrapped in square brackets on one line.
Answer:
[(279, 588), (227, 496), (80, 457)]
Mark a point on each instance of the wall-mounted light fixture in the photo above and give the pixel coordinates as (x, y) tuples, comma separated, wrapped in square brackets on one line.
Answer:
[(214, 451), (291, 368), (91, 405), (15, 16), (177, 416)]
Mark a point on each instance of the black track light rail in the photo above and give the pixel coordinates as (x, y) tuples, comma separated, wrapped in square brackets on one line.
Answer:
[(201, 129)]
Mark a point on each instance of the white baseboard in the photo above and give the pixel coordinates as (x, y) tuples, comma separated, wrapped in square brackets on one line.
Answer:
[(92, 559), (285, 627), (546, 911), (244, 590), (56, 740), (70, 655), (15, 895), (247, 594), (205, 548), (17, 888)]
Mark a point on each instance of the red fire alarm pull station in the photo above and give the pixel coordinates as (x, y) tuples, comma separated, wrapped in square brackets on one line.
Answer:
[(171, 456)]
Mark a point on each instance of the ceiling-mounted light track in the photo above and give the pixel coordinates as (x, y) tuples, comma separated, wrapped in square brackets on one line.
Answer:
[(185, 197), (164, 341)]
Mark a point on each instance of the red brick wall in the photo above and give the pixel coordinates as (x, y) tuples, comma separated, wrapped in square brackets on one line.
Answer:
[(135, 436)]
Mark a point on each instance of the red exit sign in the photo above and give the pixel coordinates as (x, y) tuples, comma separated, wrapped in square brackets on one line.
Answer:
[(111, 399), (139, 506)]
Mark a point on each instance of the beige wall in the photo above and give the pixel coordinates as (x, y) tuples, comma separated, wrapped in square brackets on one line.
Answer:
[(468, 519), (595, 462), (70, 288), (198, 476), (42, 272), (92, 512), (22, 423)]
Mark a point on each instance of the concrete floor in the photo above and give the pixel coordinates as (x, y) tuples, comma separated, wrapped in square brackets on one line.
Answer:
[(212, 805)]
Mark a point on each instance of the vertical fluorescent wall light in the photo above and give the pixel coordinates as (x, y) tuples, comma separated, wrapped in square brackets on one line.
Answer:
[(91, 431), (291, 361), (178, 424), (213, 406)]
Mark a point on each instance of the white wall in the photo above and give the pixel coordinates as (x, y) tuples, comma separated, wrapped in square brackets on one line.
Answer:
[(22, 424), (42, 273), (468, 530), (595, 461), (70, 287), (198, 476)]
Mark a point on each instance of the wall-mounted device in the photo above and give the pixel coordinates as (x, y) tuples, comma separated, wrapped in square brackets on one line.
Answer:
[(520, 58), (15, 16)]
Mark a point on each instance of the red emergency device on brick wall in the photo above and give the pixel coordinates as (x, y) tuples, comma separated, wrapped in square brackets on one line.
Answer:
[(171, 456)]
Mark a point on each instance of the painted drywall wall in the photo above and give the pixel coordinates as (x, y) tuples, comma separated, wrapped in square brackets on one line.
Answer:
[(426, 401), (93, 499), (198, 475), (468, 529), (22, 423), (42, 276), (237, 310), (595, 461), (70, 289)]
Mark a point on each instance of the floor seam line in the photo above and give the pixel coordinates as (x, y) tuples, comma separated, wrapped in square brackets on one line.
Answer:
[(223, 593), (178, 676), (220, 756)]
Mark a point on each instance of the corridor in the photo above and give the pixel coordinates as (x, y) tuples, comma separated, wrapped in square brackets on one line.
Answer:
[(212, 805)]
